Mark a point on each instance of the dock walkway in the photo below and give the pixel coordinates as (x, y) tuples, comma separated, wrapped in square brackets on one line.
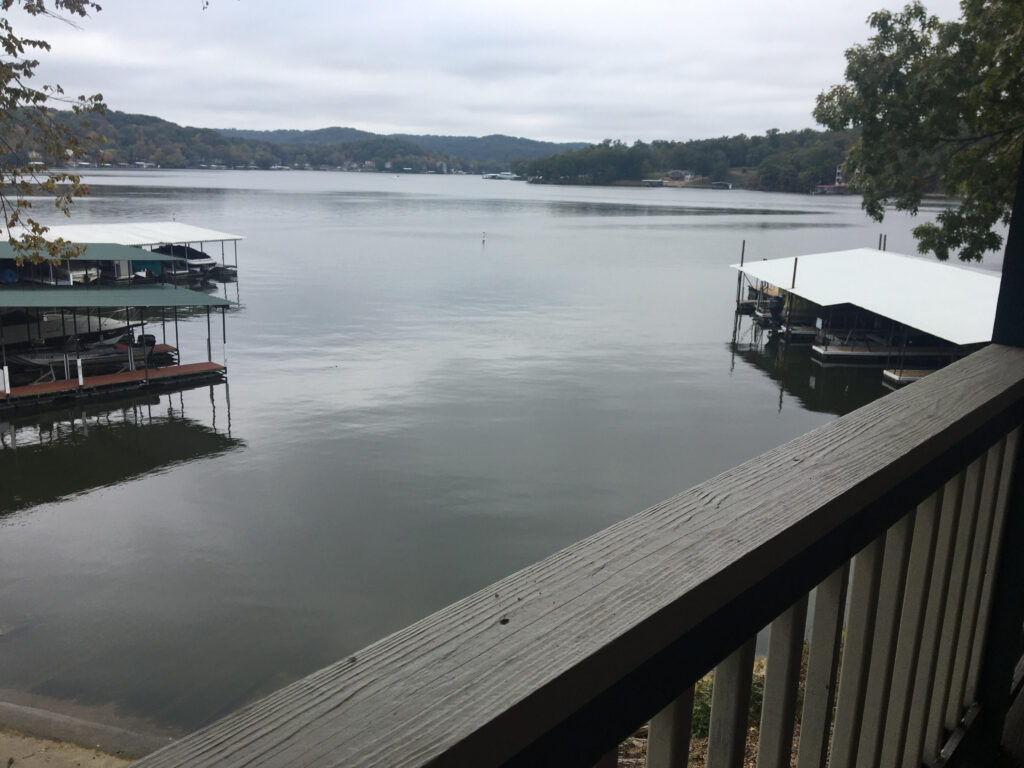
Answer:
[(111, 383)]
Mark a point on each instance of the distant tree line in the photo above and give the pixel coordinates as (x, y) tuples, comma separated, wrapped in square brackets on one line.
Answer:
[(794, 161), (494, 152), (131, 139)]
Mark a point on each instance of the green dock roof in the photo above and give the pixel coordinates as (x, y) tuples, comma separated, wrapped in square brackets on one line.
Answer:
[(46, 297), (105, 252)]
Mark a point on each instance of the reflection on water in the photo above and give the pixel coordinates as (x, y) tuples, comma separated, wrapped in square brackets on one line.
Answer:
[(836, 390), (55, 454)]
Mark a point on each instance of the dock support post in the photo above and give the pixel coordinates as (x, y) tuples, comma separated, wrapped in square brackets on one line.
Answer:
[(78, 349), (209, 345), (131, 352), (145, 354), (739, 277), (81, 375)]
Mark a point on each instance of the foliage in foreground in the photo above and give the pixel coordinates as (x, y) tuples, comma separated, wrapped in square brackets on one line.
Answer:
[(940, 100), (27, 129)]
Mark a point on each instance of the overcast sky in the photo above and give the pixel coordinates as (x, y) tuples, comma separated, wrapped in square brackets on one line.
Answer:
[(562, 71)]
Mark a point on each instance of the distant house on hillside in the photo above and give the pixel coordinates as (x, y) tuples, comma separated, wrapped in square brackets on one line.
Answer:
[(680, 175)]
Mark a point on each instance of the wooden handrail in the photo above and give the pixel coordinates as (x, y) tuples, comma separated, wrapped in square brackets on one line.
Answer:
[(558, 662)]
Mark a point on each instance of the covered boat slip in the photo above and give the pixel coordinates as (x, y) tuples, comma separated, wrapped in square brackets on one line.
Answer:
[(139, 233), (104, 259), (882, 308), (174, 239), (136, 370), (150, 235), (93, 297)]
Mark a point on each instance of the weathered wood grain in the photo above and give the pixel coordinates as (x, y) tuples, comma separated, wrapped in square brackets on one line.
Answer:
[(493, 677)]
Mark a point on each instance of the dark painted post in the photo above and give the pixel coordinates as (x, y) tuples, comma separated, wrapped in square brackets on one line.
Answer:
[(1009, 325), (1004, 639)]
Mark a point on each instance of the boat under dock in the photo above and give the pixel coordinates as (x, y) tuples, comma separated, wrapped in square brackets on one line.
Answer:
[(900, 376)]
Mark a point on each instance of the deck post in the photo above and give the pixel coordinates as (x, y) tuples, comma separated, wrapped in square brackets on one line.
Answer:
[(1009, 324), (1003, 643)]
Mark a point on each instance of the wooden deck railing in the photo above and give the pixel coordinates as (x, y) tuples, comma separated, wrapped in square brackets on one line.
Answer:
[(894, 518)]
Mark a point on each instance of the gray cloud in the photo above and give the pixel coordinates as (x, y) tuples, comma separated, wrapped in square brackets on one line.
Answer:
[(561, 71)]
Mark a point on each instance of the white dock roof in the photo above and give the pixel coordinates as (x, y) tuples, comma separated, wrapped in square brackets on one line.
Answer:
[(138, 233), (951, 302)]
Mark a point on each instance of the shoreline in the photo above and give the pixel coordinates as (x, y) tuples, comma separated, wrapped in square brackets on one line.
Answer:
[(18, 750), (35, 731)]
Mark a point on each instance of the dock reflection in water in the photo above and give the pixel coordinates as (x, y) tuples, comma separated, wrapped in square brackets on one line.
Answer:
[(48, 456), (836, 390)]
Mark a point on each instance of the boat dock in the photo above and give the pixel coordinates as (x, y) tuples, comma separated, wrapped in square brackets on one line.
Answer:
[(867, 307), (111, 384), (139, 362)]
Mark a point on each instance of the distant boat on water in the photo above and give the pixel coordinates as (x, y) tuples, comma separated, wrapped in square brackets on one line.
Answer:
[(504, 176)]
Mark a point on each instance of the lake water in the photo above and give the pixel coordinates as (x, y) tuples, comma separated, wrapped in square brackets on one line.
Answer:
[(414, 409)]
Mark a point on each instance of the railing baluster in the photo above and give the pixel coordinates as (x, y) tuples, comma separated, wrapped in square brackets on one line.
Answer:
[(782, 677), (668, 738), (976, 485), (956, 702), (822, 666), (992, 564), (867, 570), (911, 624), (730, 706), (883, 642), (954, 512)]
